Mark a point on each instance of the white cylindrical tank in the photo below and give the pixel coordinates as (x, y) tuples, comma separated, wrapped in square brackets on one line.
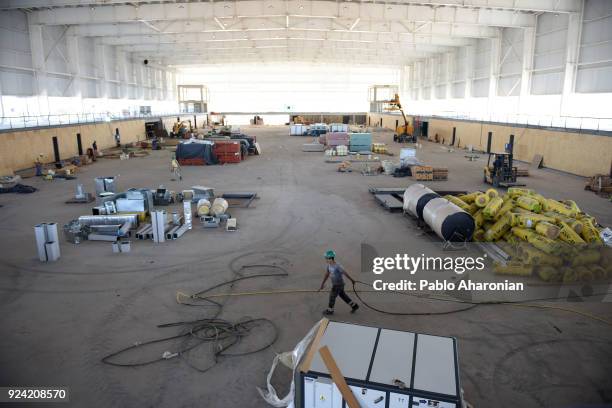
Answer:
[(219, 206), (415, 198), (448, 221), (203, 207)]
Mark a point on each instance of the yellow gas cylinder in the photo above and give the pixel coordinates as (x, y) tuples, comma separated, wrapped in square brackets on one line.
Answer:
[(479, 235), (513, 268), (542, 200), (534, 256), (569, 275), (458, 202), (492, 193), (478, 219), (529, 203), (497, 230), (505, 209), (482, 200), (556, 206), (550, 273), (547, 230), (590, 233), (584, 274), (522, 233), (567, 234), (514, 192), (469, 198), (491, 209), (586, 257), (599, 273), (473, 208)]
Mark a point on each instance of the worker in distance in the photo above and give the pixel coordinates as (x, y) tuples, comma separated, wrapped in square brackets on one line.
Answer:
[(337, 273)]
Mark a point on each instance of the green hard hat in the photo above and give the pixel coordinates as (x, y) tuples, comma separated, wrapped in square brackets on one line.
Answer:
[(330, 254)]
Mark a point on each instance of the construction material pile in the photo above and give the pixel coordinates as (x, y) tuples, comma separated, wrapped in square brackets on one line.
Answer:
[(551, 239)]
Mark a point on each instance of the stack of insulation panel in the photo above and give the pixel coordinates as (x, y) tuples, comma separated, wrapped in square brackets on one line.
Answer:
[(360, 142), (338, 127), (227, 151), (337, 139)]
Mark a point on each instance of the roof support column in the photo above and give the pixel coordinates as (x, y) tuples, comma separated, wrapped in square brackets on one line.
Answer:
[(39, 64), (432, 78), (140, 79), (494, 69), (469, 70), (122, 74), (574, 34), (449, 74), (527, 69), (101, 70), (420, 79), (74, 63)]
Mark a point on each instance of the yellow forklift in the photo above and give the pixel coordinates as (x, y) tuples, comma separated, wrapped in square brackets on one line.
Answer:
[(403, 133), (499, 171)]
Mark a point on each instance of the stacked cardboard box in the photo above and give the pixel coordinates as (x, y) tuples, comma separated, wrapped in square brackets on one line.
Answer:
[(422, 173), (440, 173)]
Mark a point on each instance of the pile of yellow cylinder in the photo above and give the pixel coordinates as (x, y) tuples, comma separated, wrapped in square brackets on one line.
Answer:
[(551, 239), (379, 148)]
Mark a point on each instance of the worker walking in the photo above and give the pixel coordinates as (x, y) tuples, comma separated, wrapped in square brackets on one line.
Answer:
[(336, 271), (176, 168), (117, 137)]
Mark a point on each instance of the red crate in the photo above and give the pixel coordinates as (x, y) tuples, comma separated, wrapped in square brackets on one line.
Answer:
[(226, 146), (229, 158), (192, 162)]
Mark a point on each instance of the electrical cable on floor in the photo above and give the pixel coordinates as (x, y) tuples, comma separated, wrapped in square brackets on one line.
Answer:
[(221, 334), (471, 305)]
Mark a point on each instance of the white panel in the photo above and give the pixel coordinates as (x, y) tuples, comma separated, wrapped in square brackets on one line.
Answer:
[(480, 87), (547, 83), (482, 59), (459, 64), (458, 89), (549, 54), (594, 79), (16, 82), (595, 61), (511, 51)]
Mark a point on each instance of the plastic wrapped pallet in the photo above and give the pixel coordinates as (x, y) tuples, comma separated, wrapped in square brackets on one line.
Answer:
[(360, 142), (337, 138), (297, 130)]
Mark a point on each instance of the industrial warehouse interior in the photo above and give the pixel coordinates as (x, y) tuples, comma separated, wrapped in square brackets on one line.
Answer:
[(306, 203)]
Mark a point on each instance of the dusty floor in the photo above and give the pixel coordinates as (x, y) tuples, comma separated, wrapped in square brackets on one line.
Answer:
[(58, 320)]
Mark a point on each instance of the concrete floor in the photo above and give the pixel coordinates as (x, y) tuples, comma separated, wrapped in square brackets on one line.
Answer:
[(58, 320)]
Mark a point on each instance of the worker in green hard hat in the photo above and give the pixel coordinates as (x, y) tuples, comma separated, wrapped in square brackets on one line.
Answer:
[(337, 273)]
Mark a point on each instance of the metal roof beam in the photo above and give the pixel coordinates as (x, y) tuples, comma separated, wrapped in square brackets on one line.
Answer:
[(558, 6), (333, 36), (210, 26), (350, 11)]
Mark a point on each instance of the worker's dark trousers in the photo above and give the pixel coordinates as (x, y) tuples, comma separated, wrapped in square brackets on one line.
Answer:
[(338, 290)]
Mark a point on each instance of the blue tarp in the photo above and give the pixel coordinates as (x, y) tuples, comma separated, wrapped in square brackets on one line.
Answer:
[(196, 151)]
